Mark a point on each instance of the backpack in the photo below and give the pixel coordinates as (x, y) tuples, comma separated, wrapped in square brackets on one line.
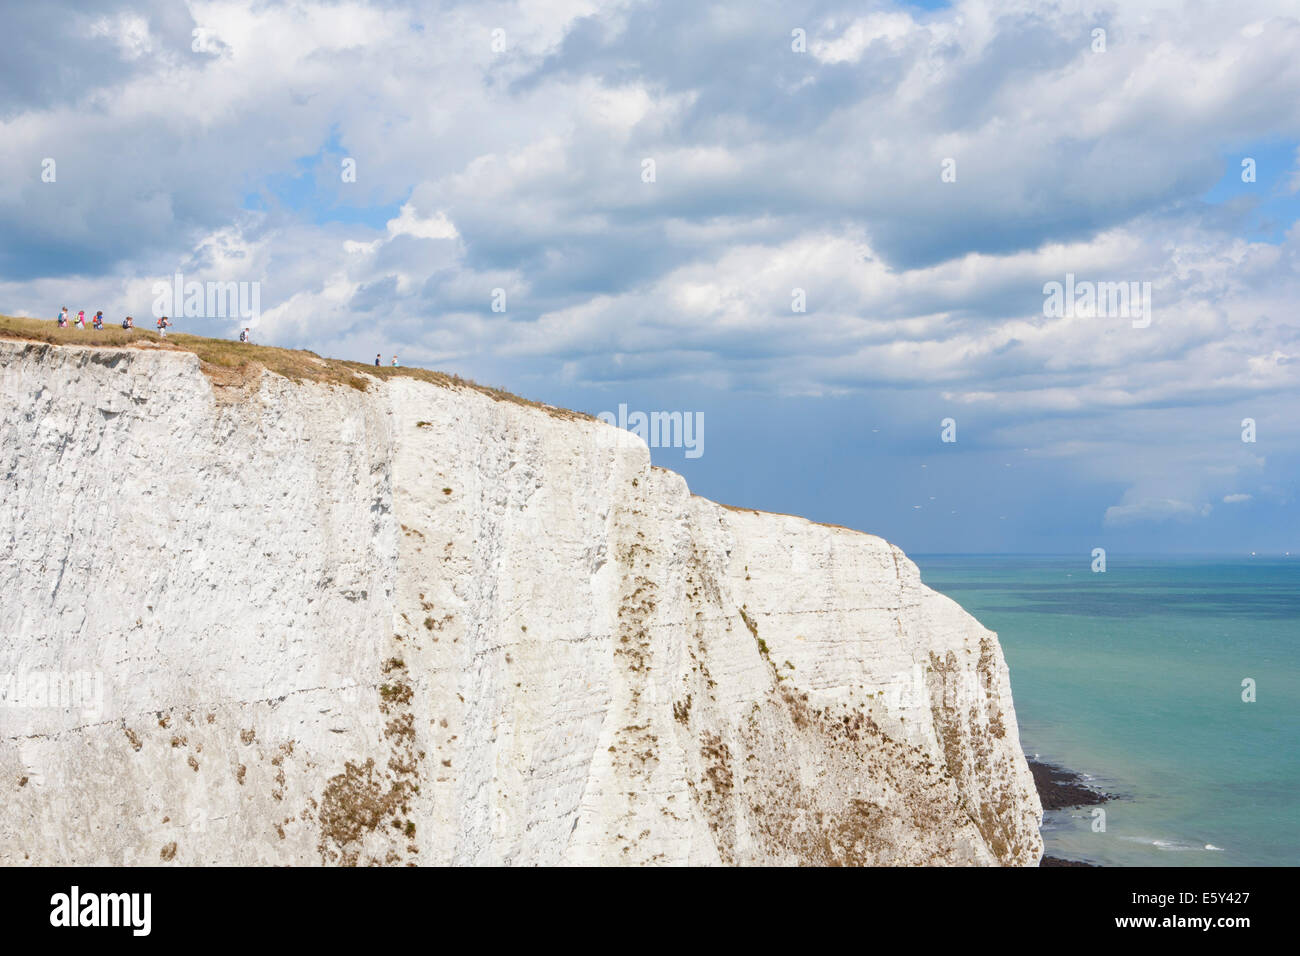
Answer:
[(243, 336), (124, 325)]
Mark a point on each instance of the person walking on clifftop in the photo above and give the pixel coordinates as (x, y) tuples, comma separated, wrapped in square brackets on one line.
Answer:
[(377, 360)]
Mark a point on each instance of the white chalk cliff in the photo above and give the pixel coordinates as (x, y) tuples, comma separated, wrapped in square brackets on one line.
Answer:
[(418, 624)]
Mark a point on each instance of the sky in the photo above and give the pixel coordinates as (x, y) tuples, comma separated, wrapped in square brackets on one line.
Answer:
[(827, 230)]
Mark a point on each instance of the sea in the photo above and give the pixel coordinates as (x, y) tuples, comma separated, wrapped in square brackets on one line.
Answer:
[(1171, 682)]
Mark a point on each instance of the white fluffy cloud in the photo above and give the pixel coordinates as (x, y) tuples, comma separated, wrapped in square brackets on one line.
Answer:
[(505, 146)]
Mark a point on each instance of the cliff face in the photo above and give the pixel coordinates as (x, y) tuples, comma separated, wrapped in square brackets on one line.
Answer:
[(415, 624)]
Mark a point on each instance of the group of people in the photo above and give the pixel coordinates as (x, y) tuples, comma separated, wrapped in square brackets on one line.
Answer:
[(66, 321)]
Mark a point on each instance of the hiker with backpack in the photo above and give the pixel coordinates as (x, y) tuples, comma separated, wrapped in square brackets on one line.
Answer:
[(128, 323), (98, 324), (63, 318), (163, 325), (377, 362), (81, 320), (245, 336)]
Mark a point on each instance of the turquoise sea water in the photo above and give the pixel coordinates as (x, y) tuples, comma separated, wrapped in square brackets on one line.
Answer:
[(1134, 677)]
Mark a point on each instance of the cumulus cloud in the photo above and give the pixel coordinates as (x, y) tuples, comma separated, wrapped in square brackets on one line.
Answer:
[(1154, 509), (506, 146)]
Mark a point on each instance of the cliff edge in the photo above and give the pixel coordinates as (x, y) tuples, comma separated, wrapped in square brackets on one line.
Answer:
[(413, 623)]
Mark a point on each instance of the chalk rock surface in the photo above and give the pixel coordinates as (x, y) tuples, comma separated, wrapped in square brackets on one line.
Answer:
[(297, 623)]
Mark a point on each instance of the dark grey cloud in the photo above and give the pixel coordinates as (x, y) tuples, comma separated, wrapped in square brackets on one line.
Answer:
[(57, 51)]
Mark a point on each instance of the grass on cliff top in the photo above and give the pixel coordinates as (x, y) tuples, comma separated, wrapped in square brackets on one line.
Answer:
[(782, 514), (231, 363)]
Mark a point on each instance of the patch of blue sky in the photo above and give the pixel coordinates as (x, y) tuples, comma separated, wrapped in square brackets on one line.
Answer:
[(1272, 199), (312, 191)]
